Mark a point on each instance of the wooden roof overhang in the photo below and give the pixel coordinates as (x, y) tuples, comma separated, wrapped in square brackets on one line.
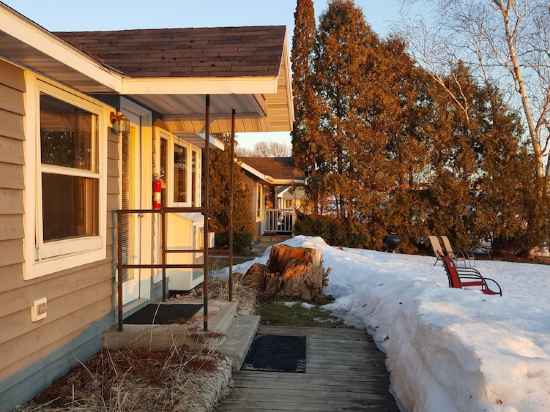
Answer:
[(271, 111), (262, 99)]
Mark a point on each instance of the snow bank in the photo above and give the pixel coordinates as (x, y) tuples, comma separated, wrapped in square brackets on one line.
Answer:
[(448, 350)]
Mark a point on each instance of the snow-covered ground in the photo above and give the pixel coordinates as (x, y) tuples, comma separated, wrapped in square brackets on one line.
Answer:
[(448, 350)]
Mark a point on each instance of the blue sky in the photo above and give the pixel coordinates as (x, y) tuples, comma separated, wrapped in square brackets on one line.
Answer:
[(383, 15)]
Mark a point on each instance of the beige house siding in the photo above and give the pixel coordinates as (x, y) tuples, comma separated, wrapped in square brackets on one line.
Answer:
[(251, 183), (77, 297)]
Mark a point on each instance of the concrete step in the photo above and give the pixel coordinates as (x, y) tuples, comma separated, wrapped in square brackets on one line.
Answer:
[(239, 338), (190, 333), (223, 319)]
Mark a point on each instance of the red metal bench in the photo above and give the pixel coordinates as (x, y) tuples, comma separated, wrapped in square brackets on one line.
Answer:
[(460, 278)]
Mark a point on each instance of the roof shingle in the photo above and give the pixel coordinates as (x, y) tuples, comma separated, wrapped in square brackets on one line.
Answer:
[(186, 52), (276, 167)]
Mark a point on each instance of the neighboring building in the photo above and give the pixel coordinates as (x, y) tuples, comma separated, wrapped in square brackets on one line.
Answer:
[(278, 188), (88, 121)]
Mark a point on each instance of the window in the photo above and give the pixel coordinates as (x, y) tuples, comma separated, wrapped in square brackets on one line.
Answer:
[(66, 190), (194, 176), (69, 172), (163, 168), (180, 174), (163, 158), (196, 160), (180, 168)]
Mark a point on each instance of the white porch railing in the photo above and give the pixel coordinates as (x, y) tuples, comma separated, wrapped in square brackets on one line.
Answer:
[(279, 220)]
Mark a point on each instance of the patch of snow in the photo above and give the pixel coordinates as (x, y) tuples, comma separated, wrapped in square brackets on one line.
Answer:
[(447, 349), (290, 304)]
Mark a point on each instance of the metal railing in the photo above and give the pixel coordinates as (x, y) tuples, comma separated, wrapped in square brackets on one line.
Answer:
[(165, 251), (279, 220)]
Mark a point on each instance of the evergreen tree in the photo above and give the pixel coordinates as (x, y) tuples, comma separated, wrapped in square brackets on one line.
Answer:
[(391, 149), (482, 174), (243, 215), (303, 43), (507, 207), (454, 162), (350, 148), (405, 106), (305, 134)]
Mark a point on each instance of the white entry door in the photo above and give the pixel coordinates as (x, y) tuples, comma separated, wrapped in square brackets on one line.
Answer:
[(135, 227)]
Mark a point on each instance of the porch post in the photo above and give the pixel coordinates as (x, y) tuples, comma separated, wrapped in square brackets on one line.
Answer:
[(120, 275), (231, 200), (164, 246), (206, 209)]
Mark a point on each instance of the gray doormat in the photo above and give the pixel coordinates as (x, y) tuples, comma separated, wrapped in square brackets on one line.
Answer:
[(272, 353), (166, 314)]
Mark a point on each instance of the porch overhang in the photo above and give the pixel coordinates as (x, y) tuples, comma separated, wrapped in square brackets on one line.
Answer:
[(31, 46), (263, 103), (275, 109)]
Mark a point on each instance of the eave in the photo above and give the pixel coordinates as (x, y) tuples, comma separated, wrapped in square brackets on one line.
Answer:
[(262, 103)]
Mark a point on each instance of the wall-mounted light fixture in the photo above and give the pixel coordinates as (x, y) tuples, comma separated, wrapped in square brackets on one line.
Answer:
[(119, 123)]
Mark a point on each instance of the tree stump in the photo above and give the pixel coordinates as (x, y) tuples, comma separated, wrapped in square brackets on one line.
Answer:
[(291, 272), (255, 276)]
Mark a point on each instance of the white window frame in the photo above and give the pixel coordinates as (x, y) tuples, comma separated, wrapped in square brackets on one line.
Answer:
[(260, 197), (45, 258), (198, 188), (171, 141), (181, 143)]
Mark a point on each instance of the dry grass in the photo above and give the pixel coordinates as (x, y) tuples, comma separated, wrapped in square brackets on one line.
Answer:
[(130, 380)]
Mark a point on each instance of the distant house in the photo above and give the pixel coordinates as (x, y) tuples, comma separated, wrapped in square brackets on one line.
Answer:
[(95, 122), (278, 188)]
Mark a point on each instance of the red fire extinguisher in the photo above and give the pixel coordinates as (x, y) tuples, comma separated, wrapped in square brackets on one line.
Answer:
[(157, 188)]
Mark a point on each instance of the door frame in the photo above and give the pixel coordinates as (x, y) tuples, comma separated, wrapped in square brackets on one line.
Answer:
[(140, 114)]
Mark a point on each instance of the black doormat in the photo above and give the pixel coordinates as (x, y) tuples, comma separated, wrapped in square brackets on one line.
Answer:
[(273, 353), (167, 314)]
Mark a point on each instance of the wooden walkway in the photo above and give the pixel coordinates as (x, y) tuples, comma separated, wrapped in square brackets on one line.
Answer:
[(344, 372)]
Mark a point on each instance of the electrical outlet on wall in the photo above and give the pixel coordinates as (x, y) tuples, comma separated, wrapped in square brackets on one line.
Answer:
[(39, 309)]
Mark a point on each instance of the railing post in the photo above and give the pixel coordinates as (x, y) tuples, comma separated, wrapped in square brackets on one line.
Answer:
[(120, 277), (164, 247), (206, 207), (231, 196)]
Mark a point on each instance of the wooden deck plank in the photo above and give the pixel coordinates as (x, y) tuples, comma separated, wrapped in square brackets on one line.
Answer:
[(344, 372)]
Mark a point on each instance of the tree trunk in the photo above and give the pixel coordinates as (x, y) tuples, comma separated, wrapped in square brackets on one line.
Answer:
[(522, 89)]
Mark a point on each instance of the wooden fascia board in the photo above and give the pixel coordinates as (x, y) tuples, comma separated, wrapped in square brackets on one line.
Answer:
[(291, 182), (200, 85), (262, 104), (216, 116), (253, 171), (288, 73), (25, 30)]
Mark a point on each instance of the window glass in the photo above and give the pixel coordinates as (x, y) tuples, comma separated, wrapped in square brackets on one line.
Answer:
[(68, 135), (70, 200), (163, 169), (69, 206), (180, 174), (163, 162)]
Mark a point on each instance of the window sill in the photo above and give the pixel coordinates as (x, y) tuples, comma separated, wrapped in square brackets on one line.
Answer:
[(53, 265)]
